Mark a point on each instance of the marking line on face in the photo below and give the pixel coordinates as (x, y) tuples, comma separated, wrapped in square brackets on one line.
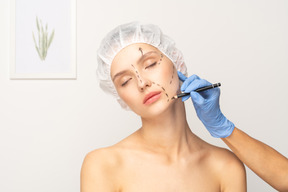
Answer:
[(141, 50), (162, 89), (172, 74), (161, 58), (136, 73)]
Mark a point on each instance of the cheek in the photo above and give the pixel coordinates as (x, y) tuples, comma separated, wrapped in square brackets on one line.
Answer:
[(167, 79), (126, 95), (171, 81), (130, 96), (168, 75), (132, 100), (163, 73)]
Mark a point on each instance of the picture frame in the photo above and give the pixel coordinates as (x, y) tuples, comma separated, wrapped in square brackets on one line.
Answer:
[(43, 39)]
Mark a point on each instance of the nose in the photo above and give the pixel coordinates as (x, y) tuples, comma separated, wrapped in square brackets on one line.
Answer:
[(143, 83)]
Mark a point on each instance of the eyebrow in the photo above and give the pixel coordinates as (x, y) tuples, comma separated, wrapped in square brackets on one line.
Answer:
[(119, 74), (143, 57)]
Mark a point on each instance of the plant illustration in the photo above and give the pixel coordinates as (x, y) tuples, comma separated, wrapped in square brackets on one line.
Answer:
[(43, 41)]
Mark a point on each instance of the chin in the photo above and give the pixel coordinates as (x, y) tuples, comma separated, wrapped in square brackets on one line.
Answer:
[(155, 109)]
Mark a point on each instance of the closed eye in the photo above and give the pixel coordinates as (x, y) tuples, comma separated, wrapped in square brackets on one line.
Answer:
[(152, 65), (125, 83)]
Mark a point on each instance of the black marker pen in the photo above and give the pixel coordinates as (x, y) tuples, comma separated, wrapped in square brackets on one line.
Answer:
[(198, 90)]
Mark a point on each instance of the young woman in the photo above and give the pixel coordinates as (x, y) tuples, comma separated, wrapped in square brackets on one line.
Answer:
[(138, 65)]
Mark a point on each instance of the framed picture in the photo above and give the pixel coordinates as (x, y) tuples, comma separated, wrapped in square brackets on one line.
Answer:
[(43, 39)]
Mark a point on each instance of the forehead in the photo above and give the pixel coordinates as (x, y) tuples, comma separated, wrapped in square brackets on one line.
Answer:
[(130, 55)]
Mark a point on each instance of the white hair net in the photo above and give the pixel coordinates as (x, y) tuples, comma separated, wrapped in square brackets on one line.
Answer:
[(128, 34)]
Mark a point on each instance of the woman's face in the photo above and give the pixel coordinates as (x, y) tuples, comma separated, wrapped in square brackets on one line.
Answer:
[(145, 79)]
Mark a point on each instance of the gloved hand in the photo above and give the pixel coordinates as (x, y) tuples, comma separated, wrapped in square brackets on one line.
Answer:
[(206, 104)]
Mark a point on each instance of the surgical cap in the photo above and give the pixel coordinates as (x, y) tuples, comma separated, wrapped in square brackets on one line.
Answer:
[(128, 34)]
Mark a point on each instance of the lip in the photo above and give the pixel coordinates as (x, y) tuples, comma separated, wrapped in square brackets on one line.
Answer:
[(151, 97)]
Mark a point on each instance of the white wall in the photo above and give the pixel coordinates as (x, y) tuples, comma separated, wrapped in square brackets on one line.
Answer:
[(47, 126)]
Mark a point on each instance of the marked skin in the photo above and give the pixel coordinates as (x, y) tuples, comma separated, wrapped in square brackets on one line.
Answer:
[(161, 57)]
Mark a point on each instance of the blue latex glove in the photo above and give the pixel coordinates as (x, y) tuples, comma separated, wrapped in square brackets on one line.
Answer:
[(206, 104)]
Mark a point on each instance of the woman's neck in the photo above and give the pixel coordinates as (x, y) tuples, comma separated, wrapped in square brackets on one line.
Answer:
[(169, 133)]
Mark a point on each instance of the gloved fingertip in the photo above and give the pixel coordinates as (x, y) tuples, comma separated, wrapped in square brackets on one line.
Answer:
[(181, 76), (179, 73), (182, 88), (185, 98)]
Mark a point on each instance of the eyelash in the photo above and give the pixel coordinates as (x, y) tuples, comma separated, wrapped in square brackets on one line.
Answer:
[(123, 84), (152, 65)]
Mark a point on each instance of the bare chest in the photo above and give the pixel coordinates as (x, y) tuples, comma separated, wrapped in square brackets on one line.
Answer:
[(153, 176)]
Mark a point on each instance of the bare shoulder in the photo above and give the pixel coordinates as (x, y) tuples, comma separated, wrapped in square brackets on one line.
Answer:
[(103, 157), (99, 170), (107, 157), (229, 168), (224, 157)]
